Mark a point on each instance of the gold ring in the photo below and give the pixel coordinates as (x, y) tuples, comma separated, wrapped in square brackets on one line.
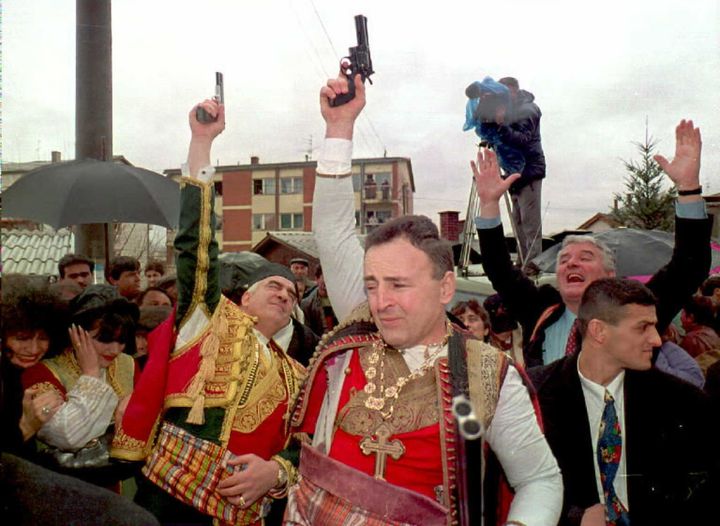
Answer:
[(241, 502)]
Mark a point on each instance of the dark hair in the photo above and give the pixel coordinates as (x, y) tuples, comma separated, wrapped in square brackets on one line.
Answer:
[(474, 306), (155, 265), (318, 271), (510, 82), (32, 309), (122, 264), (422, 233), (167, 282), (710, 284), (604, 298), (74, 259), (62, 290), (101, 307), (142, 295), (152, 316), (702, 310), (500, 319)]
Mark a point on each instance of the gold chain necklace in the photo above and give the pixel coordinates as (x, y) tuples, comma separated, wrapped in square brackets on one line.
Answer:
[(381, 398)]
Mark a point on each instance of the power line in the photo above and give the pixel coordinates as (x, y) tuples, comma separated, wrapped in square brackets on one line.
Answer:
[(323, 27)]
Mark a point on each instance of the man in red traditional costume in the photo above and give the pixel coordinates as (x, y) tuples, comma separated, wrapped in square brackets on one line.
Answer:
[(380, 444), (218, 379)]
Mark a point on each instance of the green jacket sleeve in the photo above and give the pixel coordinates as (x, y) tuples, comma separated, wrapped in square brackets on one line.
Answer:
[(196, 248)]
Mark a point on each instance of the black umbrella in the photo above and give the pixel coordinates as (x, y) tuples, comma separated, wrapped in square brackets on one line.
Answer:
[(91, 191), (637, 252)]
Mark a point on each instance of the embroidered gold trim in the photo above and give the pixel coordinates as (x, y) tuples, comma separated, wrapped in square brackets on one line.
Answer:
[(120, 373), (44, 387), (485, 365), (416, 407), (204, 238)]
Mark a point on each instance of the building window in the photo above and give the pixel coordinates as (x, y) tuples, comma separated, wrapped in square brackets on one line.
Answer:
[(218, 188), (291, 221), (291, 185), (383, 216), (264, 186), (263, 221), (370, 187)]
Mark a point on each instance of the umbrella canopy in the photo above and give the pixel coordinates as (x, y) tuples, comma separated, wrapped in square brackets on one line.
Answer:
[(637, 252), (91, 191)]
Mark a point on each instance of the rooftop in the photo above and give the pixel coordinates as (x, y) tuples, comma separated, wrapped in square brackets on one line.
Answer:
[(34, 251)]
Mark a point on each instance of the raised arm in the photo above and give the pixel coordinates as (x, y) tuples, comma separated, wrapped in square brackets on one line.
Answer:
[(197, 250), (690, 263), (341, 253), (518, 292)]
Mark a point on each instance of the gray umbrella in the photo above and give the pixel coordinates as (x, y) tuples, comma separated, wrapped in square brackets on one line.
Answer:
[(91, 191), (637, 252)]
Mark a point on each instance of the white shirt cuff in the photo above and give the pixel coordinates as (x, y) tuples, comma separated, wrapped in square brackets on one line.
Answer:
[(335, 157), (205, 175)]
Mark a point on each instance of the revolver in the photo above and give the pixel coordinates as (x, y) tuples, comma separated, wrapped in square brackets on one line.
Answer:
[(358, 61)]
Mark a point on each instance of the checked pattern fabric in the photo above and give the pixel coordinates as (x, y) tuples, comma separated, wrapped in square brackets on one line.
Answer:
[(609, 452)]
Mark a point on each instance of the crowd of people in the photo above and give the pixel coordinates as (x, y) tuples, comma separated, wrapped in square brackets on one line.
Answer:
[(275, 398)]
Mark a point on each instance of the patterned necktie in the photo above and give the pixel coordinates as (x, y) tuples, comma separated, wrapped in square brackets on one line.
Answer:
[(609, 452), (573, 341)]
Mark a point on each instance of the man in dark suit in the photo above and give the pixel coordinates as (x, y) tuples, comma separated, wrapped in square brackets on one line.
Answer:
[(546, 320), (635, 446)]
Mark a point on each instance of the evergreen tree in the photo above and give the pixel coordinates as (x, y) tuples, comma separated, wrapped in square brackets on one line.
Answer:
[(647, 203)]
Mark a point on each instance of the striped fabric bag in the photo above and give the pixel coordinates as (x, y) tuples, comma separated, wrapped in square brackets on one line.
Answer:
[(189, 469)]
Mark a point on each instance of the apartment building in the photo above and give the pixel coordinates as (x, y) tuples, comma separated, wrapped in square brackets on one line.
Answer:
[(253, 199)]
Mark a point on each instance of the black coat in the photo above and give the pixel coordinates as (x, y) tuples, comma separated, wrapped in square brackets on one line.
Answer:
[(670, 439), (672, 285), (303, 343), (522, 131)]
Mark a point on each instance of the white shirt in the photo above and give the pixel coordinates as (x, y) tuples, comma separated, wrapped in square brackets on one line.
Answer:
[(282, 338), (594, 395), (513, 434), (85, 415)]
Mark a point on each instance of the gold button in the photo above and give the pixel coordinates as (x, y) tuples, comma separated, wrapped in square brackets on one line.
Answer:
[(347, 371)]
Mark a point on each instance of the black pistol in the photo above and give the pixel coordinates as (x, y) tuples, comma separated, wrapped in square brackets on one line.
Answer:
[(200, 113), (357, 61)]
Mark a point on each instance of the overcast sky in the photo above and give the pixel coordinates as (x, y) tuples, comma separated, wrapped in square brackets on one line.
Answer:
[(598, 71)]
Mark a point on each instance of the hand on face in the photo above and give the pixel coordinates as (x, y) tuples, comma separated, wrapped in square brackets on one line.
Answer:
[(85, 351)]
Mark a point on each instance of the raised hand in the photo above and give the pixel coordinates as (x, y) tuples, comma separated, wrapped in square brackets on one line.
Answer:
[(341, 119), (490, 186), (208, 130), (85, 351), (203, 134), (684, 170)]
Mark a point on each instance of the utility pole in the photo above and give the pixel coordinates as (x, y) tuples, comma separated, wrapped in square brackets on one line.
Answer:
[(93, 107)]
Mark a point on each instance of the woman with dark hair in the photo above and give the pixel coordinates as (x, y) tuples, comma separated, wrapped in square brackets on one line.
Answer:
[(31, 329), (474, 317), (93, 376)]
